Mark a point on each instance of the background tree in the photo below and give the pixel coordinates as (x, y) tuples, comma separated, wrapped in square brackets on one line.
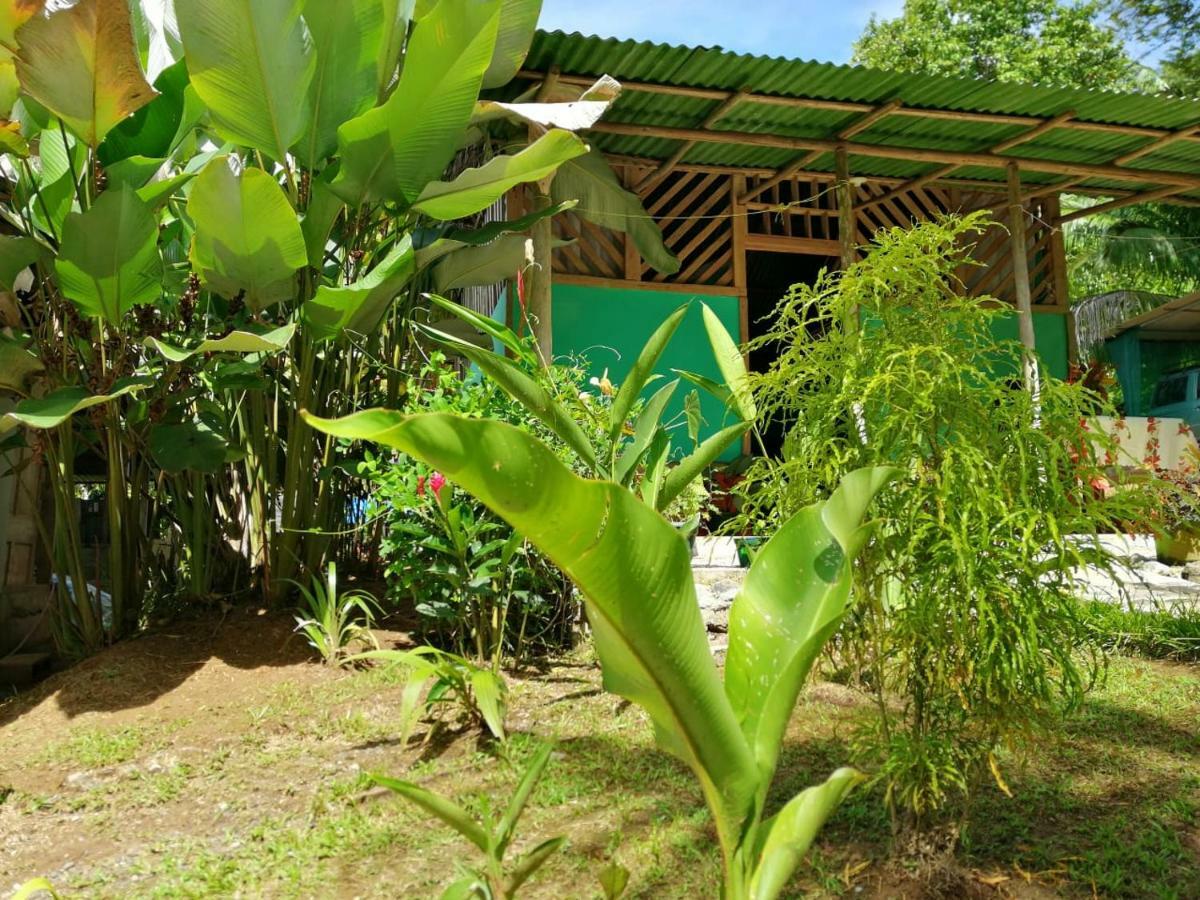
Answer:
[(1032, 41), (1167, 27)]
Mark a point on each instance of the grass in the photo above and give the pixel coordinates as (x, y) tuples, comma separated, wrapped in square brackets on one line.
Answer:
[(276, 800), (1164, 633)]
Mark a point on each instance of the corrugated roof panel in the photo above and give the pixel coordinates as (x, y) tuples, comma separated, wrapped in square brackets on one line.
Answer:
[(632, 61)]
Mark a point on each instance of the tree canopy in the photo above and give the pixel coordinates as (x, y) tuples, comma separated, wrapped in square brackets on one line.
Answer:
[(1032, 41), (1170, 28)]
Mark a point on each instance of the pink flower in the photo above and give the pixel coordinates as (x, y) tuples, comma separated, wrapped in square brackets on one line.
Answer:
[(420, 485), (437, 481)]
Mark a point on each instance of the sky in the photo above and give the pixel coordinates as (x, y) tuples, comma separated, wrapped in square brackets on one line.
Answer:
[(805, 29)]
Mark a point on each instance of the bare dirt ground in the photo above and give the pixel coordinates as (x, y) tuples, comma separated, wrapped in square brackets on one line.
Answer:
[(217, 758)]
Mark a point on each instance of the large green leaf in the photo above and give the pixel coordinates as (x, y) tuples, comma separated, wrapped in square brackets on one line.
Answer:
[(792, 600), (476, 189), (251, 63), (393, 151), (359, 307), (492, 230), (631, 566), (187, 446), (234, 342), (791, 832), (346, 37), (16, 255), (648, 426), (602, 200), (695, 463), (247, 235), (731, 364), (487, 264), (324, 207), (397, 14), (109, 261), (55, 408), (17, 364), (518, 21), (62, 158), (81, 64), (489, 326), (642, 370)]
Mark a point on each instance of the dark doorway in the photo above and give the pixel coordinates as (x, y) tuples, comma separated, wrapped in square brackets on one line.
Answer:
[(769, 275)]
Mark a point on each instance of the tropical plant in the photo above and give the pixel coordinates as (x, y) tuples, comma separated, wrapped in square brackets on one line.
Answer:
[(331, 622), (478, 588), (188, 263), (495, 879), (634, 571), (967, 632), (439, 680), (619, 439), (33, 887)]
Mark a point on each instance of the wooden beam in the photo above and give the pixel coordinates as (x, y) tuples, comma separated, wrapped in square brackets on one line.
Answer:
[(851, 107), (781, 243), (910, 154), (907, 186), (1131, 200), (868, 120), (1020, 265), (845, 200), (648, 183), (1035, 132), (1157, 145), (782, 175)]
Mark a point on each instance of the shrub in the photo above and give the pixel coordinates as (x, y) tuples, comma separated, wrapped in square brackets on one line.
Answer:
[(476, 586), (331, 622), (966, 630)]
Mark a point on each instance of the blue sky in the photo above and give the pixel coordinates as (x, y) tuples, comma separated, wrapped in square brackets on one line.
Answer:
[(823, 30)]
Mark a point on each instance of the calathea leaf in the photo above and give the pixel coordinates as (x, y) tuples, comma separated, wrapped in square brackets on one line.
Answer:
[(14, 14), (360, 306), (478, 188), (518, 21), (251, 63), (347, 38), (602, 200), (248, 238), (17, 364), (187, 446), (731, 364), (489, 264), (16, 255), (152, 130), (55, 408), (234, 342), (393, 151), (81, 64), (109, 262)]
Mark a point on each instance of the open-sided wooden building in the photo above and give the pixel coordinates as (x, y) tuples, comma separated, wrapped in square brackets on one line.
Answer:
[(760, 171)]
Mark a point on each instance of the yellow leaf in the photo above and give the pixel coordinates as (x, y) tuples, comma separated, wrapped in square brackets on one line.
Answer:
[(82, 65), (14, 14), (996, 774)]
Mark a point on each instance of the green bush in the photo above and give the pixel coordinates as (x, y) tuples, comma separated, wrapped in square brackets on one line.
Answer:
[(476, 586), (966, 629)]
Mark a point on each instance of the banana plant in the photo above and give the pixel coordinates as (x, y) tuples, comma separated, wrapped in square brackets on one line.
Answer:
[(624, 454), (634, 572), (494, 880)]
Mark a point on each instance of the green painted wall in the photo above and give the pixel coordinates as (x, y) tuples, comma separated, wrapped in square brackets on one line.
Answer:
[(609, 327), (1050, 336)]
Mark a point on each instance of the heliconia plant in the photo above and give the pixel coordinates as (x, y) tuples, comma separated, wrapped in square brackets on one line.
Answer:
[(634, 571), (197, 248)]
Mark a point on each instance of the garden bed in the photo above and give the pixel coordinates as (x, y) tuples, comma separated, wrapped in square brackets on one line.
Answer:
[(214, 757)]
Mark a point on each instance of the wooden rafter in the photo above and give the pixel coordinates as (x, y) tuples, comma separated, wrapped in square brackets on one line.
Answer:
[(1131, 200), (914, 184), (909, 154), (788, 171), (675, 158), (875, 115), (1037, 131), (853, 107), (1158, 144)]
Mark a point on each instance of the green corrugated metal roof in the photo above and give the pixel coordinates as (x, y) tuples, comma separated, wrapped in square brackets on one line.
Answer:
[(712, 68)]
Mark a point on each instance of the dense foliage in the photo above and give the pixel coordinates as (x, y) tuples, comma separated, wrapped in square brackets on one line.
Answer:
[(966, 628), (475, 584), (188, 265), (1031, 41)]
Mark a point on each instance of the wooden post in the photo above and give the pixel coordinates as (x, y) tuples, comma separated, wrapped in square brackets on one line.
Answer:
[(847, 229), (1020, 264), (539, 293)]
